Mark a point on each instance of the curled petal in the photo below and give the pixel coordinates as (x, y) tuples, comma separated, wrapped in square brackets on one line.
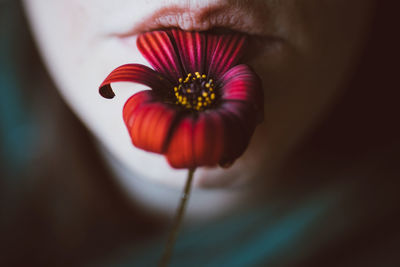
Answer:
[(208, 139), (136, 73), (180, 152), (160, 52), (242, 84), (150, 124), (192, 50), (227, 53)]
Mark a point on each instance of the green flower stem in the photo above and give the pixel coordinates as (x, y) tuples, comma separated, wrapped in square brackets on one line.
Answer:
[(177, 221)]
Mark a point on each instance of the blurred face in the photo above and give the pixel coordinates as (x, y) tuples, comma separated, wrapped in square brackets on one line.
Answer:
[(305, 51)]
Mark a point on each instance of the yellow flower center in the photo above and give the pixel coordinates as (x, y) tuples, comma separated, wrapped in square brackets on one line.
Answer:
[(195, 91)]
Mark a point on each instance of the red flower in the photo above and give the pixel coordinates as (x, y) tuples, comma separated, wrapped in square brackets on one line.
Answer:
[(202, 109)]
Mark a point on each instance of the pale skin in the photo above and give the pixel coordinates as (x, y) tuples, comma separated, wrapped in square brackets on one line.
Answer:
[(308, 51)]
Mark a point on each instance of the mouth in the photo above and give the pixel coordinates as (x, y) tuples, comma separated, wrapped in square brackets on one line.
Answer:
[(199, 19), (214, 19)]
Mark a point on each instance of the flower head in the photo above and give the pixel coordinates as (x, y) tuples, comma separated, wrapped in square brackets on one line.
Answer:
[(203, 108)]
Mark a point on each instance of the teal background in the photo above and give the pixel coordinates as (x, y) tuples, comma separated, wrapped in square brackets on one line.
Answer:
[(17, 130)]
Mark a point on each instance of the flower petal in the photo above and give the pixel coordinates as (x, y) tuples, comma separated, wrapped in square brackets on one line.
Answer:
[(239, 125), (242, 84), (192, 50), (149, 121), (208, 139), (227, 53), (216, 137), (134, 73), (180, 152), (151, 124), (160, 52), (212, 42), (134, 102)]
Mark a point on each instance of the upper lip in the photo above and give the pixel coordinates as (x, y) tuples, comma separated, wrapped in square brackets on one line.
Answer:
[(227, 17)]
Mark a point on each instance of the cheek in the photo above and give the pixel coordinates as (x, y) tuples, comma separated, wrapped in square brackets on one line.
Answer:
[(302, 78), (78, 60), (67, 20), (74, 19)]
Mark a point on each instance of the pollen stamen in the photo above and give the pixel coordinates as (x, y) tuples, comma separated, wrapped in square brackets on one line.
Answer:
[(195, 92)]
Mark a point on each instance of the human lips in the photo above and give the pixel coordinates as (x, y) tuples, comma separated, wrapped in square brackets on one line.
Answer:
[(251, 19), (198, 19), (217, 18)]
